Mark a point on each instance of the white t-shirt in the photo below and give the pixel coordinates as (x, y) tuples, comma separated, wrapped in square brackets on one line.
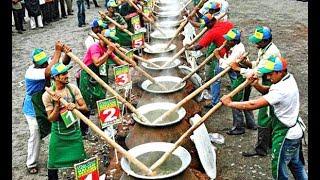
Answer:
[(235, 52), (263, 55), (284, 97), (89, 41)]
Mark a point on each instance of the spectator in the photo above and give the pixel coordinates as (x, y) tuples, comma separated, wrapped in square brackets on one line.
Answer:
[(63, 9), (81, 13), (95, 3), (18, 15), (34, 13)]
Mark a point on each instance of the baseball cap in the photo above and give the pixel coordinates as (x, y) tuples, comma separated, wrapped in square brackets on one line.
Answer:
[(233, 34), (205, 19), (38, 56), (110, 34), (213, 5), (59, 68), (97, 22), (261, 32), (273, 63), (112, 3)]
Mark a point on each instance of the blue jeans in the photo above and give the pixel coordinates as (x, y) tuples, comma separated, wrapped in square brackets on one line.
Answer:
[(215, 87), (81, 13), (290, 157)]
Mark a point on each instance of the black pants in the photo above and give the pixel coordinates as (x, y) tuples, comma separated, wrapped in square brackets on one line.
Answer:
[(55, 14), (94, 2), (18, 15), (52, 174), (264, 140), (62, 8)]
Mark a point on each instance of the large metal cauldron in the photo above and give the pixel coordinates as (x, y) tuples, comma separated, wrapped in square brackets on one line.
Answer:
[(159, 48), (161, 61), (162, 107), (181, 152), (168, 81), (169, 33)]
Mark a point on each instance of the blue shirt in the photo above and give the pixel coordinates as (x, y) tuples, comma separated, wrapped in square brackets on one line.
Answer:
[(34, 82)]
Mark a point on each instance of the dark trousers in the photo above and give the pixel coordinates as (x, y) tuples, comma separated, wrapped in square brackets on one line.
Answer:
[(55, 14), (94, 2), (264, 140), (81, 13), (18, 15), (52, 174), (63, 9)]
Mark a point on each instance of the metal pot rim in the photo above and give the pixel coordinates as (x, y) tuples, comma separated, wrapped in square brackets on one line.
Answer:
[(176, 79), (159, 105), (181, 152), (171, 48), (174, 64)]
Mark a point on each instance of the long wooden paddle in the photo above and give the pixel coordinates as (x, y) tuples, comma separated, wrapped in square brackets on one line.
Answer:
[(97, 130), (190, 96), (107, 87), (125, 51), (200, 65), (144, 15), (184, 23), (184, 48), (196, 125), (134, 64)]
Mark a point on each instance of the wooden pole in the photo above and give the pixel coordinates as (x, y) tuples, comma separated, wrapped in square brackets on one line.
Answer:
[(97, 130), (195, 9), (194, 93), (183, 49), (144, 15), (108, 88), (185, 6), (196, 125), (134, 64), (201, 65)]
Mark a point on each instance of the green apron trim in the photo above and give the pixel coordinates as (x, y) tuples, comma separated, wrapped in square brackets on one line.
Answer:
[(41, 115), (234, 84), (279, 132), (66, 146), (124, 38), (90, 89), (263, 113), (214, 62)]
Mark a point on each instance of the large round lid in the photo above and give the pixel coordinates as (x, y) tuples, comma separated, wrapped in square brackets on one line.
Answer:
[(161, 61)]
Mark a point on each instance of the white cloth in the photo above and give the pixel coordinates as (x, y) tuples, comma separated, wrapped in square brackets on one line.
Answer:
[(284, 98), (33, 142), (263, 55), (89, 41), (224, 9), (33, 22), (234, 52)]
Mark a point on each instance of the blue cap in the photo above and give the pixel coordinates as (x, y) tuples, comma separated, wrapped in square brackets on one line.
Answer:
[(261, 32), (59, 68)]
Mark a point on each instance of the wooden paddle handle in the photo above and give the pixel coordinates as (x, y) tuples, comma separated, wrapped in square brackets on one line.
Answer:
[(97, 130), (190, 96), (139, 58), (108, 88), (115, 23), (196, 125), (183, 49)]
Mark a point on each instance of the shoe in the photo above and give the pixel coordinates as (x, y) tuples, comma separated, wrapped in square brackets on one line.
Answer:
[(236, 131), (97, 6), (23, 29), (252, 127), (70, 14), (253, 153), (88, 7), (64, 16), (32, 170), (20, 32)]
